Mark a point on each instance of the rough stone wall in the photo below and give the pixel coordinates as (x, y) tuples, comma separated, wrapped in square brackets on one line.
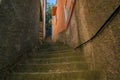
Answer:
[(103, 53), (19, 26)]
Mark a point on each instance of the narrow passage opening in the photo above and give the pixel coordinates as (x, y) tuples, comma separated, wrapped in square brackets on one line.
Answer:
[(49, 5)]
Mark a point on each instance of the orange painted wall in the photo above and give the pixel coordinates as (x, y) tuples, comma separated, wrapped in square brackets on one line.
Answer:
[(58, 20)]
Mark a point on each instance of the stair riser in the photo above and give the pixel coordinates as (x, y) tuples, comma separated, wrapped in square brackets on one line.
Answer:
[(55, 60), (54, 47), (55, 55), (51, 67), (68, 76), (54, 51), (86, 75)]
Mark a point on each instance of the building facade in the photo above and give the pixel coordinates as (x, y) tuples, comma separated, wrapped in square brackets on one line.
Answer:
[(43, 19), (62, 17)]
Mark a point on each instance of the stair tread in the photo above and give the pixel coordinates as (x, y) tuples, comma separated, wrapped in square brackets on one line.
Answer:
[(60, 72), (65, 75), (63, 63), (51, 76), (51, 67), (55, 55), (55, 60), (61, 57), (55, 51), (59, 53)]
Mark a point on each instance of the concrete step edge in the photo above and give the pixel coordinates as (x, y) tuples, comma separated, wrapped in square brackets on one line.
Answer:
[(44, 73), (49, 54), (65, 63), (58, 58), (59, 50)]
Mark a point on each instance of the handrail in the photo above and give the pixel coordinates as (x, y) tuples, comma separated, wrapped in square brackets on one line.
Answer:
[(101, 28)]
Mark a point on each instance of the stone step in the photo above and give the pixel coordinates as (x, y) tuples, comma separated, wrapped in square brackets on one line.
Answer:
[(55, 55), (65, 75), (51, 67), (65, 52), (55, 60), (55, 46), (41, 33), (55, 49), (54, 52), (40, 36)]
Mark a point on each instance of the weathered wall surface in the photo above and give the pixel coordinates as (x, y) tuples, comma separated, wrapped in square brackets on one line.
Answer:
[(58, 20), (70, 36), (103, 53), (19, 26)]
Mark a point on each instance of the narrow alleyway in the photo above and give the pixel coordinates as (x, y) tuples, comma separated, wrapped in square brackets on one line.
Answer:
[(90, 28), (54, 62)]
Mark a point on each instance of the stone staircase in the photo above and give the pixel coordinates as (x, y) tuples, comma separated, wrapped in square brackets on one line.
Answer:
[(54, 62)]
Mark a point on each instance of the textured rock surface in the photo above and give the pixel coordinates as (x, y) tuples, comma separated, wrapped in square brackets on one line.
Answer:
[(104, 51), (19, 25)]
